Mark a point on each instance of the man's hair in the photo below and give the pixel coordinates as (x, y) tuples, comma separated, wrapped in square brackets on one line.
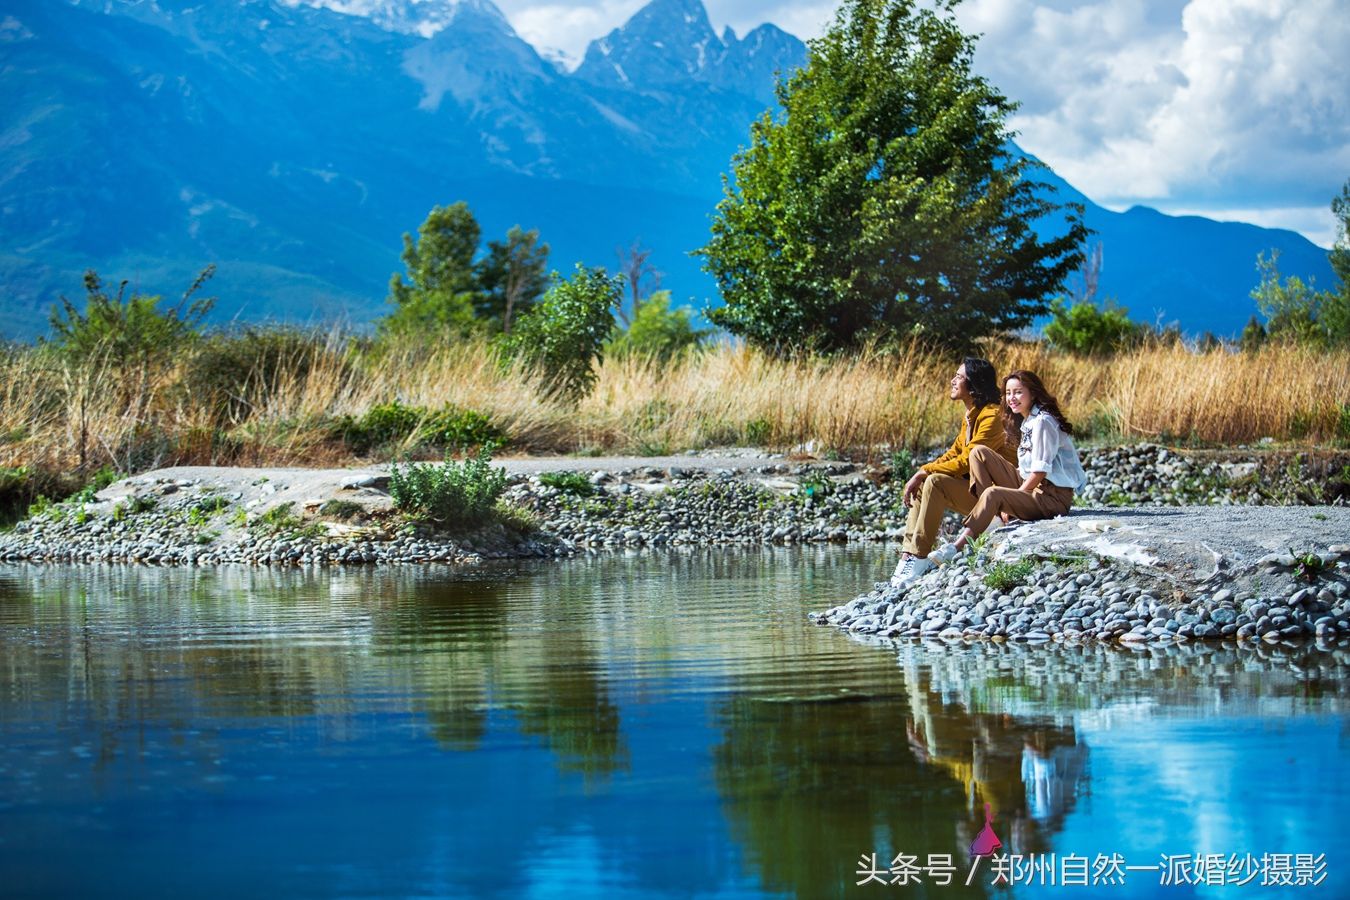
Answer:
[(982, 381)]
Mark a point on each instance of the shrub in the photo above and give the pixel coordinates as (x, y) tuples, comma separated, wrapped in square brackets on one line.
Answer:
[(456, 428), (102, 478), (568, 482), (1084, 327), (448, 493), (129, 331), (658, 332), (451, 427), (758, 432), (1006, 576), (383, 423), (563, 337)]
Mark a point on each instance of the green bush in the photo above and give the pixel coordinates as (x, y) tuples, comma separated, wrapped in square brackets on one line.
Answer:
[(451, 427), (456, 428), (563, 337), (101, 479), (568, 482), (758, 432), (382, 424), (448, 493), (658, 332), (127, 331), (1087, 328)]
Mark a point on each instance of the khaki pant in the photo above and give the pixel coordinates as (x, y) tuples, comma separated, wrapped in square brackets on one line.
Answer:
[(938, 494), (996, 482)]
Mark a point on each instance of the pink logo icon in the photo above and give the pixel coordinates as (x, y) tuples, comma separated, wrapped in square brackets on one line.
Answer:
[(986, 843)]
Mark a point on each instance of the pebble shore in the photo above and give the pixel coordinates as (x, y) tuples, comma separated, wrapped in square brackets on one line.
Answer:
[(997, 596), (1085, 598)]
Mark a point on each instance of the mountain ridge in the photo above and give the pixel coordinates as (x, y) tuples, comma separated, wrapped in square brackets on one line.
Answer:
[(293, 144)]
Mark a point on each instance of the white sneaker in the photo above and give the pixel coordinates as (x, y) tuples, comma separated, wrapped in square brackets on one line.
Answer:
[(910, 570), (903, 568), (945, 554)]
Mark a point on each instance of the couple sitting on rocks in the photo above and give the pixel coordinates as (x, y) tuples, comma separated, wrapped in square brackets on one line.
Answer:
[(1010, 461)]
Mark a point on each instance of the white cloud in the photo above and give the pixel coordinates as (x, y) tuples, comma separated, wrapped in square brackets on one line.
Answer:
[(1236, 109), (568, 27)]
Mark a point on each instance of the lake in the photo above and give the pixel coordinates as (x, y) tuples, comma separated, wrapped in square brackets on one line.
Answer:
[(643, 725)]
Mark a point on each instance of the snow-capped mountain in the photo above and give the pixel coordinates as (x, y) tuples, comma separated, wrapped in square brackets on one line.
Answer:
[(671, 42), (293, 142), (421, 17)]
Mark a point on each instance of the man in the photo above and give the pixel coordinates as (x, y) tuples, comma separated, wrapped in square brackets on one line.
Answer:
[(944, 483)]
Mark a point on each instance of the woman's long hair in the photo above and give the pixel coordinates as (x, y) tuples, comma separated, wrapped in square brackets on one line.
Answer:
[(981, 381), (1012, 422)]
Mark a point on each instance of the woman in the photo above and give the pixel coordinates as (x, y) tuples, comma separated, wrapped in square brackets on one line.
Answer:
[(1048, 469)]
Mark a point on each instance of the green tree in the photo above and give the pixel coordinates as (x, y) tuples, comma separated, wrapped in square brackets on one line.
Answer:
[(443, 286), (885, 198), (563, 337), (1253, 336), (1336, 308), (512, 276), (1340, 251), (1085, 327), (657, 331), (1290, 305)]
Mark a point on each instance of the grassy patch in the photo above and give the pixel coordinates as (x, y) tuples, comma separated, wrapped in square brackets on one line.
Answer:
[(279, 518), (1005, 576), (1308, 566), (578, 484), (515, 518), (341, 509)]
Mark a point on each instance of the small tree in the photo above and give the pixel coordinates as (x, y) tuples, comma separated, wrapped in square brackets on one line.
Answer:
[(563, 337), (442, 288), (511, 277), (1253, 336), (884, 199), (1290, 306), (1336, 308), (658, 331), (1085, 327)]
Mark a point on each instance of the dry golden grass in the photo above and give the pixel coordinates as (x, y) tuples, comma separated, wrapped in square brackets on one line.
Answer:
[(55, 415)]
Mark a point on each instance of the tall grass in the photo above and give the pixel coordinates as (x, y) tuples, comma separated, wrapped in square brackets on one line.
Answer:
[(274, 401)]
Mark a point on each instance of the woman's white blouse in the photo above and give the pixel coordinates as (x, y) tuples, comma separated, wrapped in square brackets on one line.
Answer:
[(1045, 447)]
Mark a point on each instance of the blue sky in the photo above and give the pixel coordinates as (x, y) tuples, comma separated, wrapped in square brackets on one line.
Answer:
[(1232, 109)]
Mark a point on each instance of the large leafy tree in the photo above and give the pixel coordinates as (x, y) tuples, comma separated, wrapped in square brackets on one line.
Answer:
[(885, 197)]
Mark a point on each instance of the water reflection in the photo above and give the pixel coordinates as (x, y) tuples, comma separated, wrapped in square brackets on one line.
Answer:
[(645, 725)]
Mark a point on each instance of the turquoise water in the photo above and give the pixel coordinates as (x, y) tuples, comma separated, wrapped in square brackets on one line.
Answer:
[(656, 725)]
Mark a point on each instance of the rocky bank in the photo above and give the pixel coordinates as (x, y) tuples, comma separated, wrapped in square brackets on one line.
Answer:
[(1020, 588)]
